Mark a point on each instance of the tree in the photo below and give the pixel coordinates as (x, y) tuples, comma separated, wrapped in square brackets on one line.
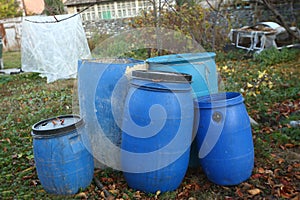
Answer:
[(181, 2), (53, 7), (280, 18), (9, 8)]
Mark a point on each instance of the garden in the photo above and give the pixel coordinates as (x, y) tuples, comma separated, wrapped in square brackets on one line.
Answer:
[(269, 83)]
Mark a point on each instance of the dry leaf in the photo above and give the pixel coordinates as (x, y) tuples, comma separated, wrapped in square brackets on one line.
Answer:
[(289, 145), (114, 191), (296, 165), (261, 170), (239, 193), (81, 195), (289, 168), (280, 160), (255, 191)]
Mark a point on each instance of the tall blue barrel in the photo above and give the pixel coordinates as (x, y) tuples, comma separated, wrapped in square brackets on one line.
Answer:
[(157, 130), (224, 138), (102, 89), (61, 153), (201, 66)]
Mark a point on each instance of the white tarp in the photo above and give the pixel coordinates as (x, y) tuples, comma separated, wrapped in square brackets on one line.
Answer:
[(53, 48)]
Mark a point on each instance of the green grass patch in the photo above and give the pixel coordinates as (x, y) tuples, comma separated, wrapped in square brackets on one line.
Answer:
[(12, 59)]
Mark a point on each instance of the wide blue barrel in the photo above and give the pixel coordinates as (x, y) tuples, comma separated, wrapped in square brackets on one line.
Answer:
[(102, 89), (157, 130), (61, 153), (201, 66), (224, 138)]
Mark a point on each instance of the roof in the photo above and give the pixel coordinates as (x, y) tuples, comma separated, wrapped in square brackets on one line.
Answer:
[(81, 2)]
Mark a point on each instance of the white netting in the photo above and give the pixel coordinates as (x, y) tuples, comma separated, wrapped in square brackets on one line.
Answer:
[(53, 49)]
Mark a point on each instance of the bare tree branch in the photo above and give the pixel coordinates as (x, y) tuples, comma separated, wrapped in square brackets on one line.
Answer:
[(281, 19)]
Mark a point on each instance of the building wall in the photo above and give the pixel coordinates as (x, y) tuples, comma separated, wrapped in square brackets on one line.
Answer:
[(34, 7), (250, 15), (111, 10)]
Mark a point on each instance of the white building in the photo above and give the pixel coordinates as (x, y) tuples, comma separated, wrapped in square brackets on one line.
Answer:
[(105, 9)]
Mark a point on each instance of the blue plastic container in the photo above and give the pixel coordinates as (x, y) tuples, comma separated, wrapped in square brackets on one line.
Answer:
[(157, 131), (98, 93), (61, 153), (224, 138), (201, 66)]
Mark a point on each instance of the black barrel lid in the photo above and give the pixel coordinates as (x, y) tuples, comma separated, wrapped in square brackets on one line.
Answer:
[(57, 125), (161, 76)]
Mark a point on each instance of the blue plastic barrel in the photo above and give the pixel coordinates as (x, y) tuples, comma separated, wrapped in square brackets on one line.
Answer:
[(97, 82), (224, 138), (61, 153), (201, 66), (157, 130), (102, 89)]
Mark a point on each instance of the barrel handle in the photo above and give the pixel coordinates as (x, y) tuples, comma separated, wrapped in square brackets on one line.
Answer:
[(76, 143), (207, 72)]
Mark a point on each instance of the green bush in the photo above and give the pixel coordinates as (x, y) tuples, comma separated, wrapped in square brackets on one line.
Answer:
[(274, 56)]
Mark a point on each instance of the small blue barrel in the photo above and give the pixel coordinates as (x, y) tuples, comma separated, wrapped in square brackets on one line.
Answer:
[(157, 130), (201, 66), (224, 138), (61, 153)]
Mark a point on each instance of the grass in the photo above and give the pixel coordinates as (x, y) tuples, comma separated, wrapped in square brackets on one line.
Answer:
[(272, 97), (12, 59)]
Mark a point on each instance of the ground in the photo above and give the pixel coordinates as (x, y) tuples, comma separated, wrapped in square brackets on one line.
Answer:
[(269, 84)]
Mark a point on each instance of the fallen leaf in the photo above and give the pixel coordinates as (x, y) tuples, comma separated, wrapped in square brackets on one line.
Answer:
[(81, 195), (254, 192), (239, 193), (290, 168), (158, 192), (249, 85), (261, 74), (296, 165), (280, 160), (289, 145), (137, 194), (261, 170), (246, 185), (8, 140), (256, 176), (33, 182), (269, 171), (114, 191)]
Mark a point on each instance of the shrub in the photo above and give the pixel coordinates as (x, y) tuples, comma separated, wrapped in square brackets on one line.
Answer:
[(274, 56)]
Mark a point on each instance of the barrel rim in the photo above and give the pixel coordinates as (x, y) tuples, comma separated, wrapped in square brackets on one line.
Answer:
[(46, 133), (222, 99), (114, 61), (162, 76), (179, 58)]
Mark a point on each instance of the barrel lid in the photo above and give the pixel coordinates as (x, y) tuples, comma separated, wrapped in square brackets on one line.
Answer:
[(57, 125), (179, 58), (161, 76)]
